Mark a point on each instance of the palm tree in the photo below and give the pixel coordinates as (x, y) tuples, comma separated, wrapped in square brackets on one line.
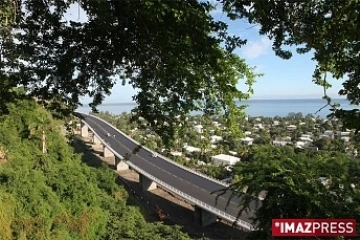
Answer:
[(44, 150), (40, 123)]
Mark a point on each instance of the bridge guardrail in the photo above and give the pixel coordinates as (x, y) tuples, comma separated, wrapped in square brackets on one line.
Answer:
[(187, 197), (163, 157)]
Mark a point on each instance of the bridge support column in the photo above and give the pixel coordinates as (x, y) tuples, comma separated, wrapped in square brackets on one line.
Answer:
[(120, 165), (146, 184), (203, 217), (96, 140), (107, 152), (84, 130)]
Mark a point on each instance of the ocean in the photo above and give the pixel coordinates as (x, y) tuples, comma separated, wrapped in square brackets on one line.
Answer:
[(266, 108)]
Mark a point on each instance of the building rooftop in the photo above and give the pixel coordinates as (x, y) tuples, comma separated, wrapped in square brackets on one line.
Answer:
[(226, 157)]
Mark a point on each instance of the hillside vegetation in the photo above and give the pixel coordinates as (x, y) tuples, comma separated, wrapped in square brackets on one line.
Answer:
[(55, 195)]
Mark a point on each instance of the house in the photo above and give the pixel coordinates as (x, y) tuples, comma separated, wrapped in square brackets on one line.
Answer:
[(280, 143), (191, 149), (233, 153), (324, 136), (329, 132), (345, 139), (305, 139), (215, 138), (216, 124), (174, 153), (258, 126), (247, 141), (198, 128), (344, 134), (307, 136), (225, 160), (300, 144), (287, 138), (291, 127)]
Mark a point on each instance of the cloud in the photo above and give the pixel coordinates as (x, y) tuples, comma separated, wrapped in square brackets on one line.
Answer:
[(255, 49)]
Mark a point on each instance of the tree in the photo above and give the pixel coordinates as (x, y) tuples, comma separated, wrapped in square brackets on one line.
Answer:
[(68, 199), (293, 186), (170, 50), (328, 28)]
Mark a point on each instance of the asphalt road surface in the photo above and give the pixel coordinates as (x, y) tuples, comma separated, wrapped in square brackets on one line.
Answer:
[(186, 182)]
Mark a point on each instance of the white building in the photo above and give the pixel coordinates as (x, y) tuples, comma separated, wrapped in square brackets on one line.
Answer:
[(258, 126), (305, 139), (346, 139), (286, 139), (233, 153), (223, 159), (324, 136), (329, 132), (215, 138), (300, 144), (191, 149), (306, 136), (280, 143), (247, 141), (175, 153), (247, 133), (198, 128), (216, 123), (291, 127)]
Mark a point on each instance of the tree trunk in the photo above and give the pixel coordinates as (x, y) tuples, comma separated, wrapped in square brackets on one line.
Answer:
[(43, 142)]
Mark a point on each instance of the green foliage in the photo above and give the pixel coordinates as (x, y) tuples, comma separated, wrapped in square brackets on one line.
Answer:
[(56, 196), (8, 11), (293, 186), (328, 28), (169, 50)]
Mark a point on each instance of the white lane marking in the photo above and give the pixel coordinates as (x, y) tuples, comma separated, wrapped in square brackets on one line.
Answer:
[(181, 179)]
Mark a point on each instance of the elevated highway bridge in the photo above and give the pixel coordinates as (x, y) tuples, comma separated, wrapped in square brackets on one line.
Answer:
[(193, 186)]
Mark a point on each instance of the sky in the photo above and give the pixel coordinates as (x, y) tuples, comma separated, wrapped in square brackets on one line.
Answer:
[(283, 79)]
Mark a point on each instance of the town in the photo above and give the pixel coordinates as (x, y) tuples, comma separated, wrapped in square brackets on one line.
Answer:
[(209, 148)]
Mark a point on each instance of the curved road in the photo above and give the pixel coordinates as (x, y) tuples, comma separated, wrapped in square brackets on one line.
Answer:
[(185, 181)]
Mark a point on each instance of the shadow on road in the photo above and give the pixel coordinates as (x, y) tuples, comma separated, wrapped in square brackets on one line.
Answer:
[(177, 211)]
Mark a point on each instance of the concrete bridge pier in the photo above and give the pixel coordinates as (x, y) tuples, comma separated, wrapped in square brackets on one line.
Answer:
[(203, 217), (146, 184), (120, 164), (84, 130), (96, 140), (107, 152)]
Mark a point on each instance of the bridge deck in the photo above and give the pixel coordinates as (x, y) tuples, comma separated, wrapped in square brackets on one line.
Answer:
[(185, 181)]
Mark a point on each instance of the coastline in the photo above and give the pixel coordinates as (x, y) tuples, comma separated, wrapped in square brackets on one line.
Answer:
[(256, 107)]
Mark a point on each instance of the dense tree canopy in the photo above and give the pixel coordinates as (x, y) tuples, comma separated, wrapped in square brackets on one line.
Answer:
[(55, 195), (328, 28), (170, 50), (298, 185)]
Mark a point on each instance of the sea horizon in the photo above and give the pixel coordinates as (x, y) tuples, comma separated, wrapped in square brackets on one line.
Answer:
[(256, 107), (239, 101)]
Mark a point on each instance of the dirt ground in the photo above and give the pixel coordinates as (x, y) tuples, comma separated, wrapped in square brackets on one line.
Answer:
[(177, 210)]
